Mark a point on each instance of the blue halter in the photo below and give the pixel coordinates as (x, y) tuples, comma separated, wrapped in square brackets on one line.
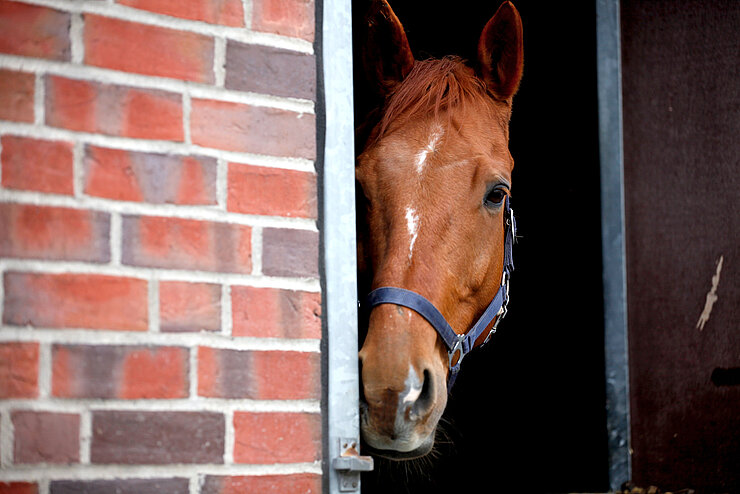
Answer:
[(458, 345)]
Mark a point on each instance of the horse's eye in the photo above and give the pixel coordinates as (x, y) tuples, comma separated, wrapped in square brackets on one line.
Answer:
[(495, 197)]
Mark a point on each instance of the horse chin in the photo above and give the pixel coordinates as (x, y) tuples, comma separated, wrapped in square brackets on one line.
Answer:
[(391, 454)]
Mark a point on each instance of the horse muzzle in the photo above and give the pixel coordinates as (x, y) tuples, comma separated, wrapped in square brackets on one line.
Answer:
[(397, 422)]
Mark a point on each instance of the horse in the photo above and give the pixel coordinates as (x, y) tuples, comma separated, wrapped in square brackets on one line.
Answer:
[(434, 222)]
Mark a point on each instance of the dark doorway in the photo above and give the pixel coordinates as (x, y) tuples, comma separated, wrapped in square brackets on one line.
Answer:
[(527, 412)]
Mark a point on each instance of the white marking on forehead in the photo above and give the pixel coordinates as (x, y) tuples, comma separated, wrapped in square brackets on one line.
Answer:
[(421, 156), (413, 386), (412, 224)]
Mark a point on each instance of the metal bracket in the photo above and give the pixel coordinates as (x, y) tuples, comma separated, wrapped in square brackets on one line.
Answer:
[(349, 464)]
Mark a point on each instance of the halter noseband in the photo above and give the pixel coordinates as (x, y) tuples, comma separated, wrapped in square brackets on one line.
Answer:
[(458, 345)]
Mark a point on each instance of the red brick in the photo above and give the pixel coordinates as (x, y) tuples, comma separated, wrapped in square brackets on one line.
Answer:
[(271, 191), (35, 164), (33, 31), (150, 50), (189, 306), (16, 94), (120, 486), (266, 438), (126, 372), (157, 438), (54, 233), (112, 109), (265, 69), (275, 313), (287, 17), (19, 368), (252, 129), (177, 243), (301, 483), (18, 488), (76, 301), (224, 373), (225, 12), (147, 177), (46, 437), (287, 252)]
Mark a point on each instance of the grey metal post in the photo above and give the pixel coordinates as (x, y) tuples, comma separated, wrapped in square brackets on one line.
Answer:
[(340, 265), (609, 73)]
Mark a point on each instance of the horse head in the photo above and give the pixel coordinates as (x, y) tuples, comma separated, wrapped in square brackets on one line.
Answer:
[(435, 177)]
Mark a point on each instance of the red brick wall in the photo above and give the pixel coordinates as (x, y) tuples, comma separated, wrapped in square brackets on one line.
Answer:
[(160, 297)]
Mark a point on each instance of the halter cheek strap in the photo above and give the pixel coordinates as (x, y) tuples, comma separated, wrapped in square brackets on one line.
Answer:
[(458, 345)]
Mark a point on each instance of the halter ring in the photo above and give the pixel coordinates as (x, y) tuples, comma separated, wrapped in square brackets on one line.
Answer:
[(458, 347)]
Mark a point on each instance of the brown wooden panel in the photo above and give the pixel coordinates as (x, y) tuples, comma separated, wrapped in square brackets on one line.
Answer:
[(681, 87)]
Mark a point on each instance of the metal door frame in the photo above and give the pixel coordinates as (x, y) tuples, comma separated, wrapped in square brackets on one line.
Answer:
[(339, 251), (609, 77)]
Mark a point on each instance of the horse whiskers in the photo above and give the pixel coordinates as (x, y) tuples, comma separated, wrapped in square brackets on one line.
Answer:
[(443, 436), (408, 471), (413, 476)]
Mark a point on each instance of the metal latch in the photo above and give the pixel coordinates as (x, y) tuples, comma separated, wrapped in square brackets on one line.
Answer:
[(349, 464)]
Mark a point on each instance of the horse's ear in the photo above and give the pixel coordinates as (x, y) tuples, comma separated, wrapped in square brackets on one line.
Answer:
[(501, 53), (386, 54)]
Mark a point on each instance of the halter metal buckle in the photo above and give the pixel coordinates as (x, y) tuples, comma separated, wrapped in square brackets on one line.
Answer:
[(458, 347), (505, 282), (510, 222), (504, 307)]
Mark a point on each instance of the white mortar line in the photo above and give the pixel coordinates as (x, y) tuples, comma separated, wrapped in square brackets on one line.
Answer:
[(45, 372), (256, 251), (217, 405), (115, 238), (6, 439), (227, 323), (296, 105), (60, 267), (198, 213), (153, 304), (194, 484), (222, 183), (110, 76), (186, 110), (152, 146), (39, 101), (46, 472), (76, 36), (78, 169), (248, 13), (85, 436), (193, 372), (79, 336), (153, 19), (229, 437), (219, 61), (43, 486)]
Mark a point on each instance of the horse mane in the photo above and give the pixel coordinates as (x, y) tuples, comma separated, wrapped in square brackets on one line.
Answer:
[(433, 86)]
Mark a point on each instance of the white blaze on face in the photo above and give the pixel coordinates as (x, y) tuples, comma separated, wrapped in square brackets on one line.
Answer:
[(412, 224), (421, 156)]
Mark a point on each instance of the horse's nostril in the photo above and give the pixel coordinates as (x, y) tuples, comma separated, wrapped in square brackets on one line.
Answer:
[(426, 397)]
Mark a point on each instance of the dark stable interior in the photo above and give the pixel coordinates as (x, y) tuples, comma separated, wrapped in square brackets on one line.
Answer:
[(527, 412)]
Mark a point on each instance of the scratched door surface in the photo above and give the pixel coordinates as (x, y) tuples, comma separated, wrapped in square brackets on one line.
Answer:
[(681, 88)]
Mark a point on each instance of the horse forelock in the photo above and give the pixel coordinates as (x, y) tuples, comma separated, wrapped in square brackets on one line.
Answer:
[(431, 87)]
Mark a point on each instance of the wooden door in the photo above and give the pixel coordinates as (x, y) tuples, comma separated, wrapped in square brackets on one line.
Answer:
[(681, 107)]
